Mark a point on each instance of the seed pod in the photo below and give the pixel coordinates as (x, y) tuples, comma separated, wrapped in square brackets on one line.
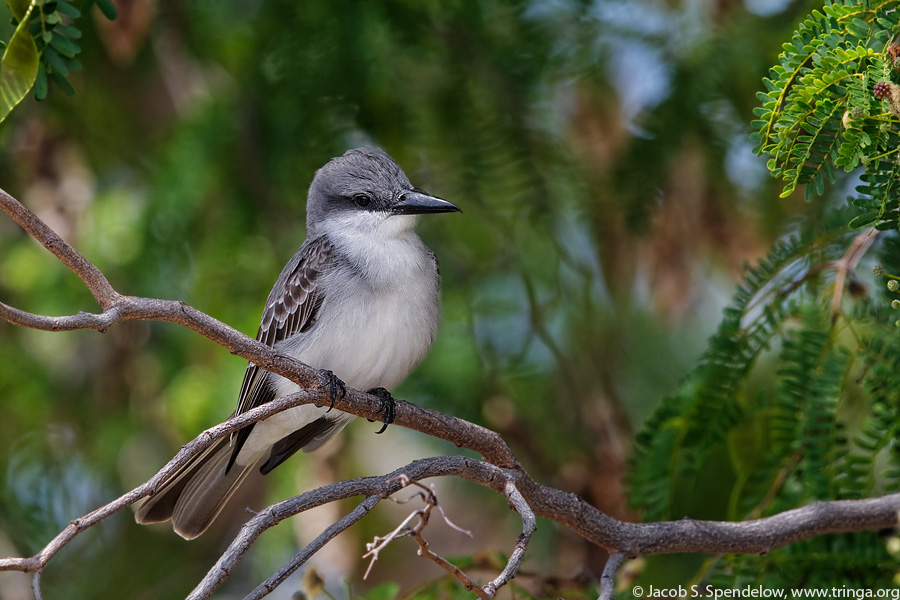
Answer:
[(885, 90), (893, 54)]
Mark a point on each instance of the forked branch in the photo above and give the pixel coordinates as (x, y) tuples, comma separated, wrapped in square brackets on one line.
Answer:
[(499, 470)]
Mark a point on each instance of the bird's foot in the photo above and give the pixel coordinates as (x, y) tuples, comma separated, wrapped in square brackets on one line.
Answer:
[(388, 407), (336, 388)]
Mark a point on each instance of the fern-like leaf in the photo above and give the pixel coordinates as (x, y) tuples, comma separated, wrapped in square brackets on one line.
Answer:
[(818, 112)]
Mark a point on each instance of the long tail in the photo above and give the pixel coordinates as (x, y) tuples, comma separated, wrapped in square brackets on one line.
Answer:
[(194, 496)]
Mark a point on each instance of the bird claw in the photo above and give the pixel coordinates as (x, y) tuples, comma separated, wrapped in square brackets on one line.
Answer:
[(388, 407), (336, 387)]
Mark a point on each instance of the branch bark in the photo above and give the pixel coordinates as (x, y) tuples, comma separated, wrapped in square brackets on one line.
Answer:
[(499, 470), (608, 577)]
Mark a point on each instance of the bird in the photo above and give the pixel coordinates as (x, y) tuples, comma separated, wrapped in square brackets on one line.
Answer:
[(360, 300)]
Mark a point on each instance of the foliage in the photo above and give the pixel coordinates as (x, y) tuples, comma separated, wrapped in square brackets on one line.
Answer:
[(599, 152), (798, 387), (19, 65), (42, 48), (824, 428), (819, 112)]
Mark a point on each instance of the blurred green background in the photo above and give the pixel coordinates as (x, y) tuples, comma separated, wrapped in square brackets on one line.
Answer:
[(598, 150)]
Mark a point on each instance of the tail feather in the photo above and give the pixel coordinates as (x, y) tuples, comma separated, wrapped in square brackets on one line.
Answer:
[(194, 497)]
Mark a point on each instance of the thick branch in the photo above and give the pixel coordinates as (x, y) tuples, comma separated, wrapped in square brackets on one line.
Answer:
[(200, 443), (119, 308), (462, 433), (501, 472), (687, 535)]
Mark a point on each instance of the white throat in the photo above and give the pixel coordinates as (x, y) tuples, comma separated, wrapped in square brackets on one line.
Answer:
[(384, 249)]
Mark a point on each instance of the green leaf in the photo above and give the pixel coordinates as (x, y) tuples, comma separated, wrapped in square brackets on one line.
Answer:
[(864, 219), (41, 83), (68, 9), (18, 67), (808, 194), (57, 64), (108, 9), (825, 74), (63, 83), (71, 32), (64, 46), (19, 8)]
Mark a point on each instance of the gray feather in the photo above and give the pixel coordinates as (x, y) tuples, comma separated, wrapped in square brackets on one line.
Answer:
[(360, 297), (195, 495)]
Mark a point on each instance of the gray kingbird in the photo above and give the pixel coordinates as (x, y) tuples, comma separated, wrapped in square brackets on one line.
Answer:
[(359, 298)]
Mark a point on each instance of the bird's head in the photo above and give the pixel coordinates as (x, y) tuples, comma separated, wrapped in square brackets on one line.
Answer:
[(366, 191)]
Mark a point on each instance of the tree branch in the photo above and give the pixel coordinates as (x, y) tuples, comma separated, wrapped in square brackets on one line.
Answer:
[(200, 443), (499, 471), (424, 515), (252, 530), (118, 308), (91, 276), (608, 577), (846, 265), (529, 526)]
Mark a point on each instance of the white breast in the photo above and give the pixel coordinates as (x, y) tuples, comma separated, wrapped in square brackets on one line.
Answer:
[(377, 321), (378, 318)]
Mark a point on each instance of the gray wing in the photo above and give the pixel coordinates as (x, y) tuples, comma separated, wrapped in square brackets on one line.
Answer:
[(292, 307)]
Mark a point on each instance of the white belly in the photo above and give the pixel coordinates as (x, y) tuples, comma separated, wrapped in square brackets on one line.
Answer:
[(372, 336)]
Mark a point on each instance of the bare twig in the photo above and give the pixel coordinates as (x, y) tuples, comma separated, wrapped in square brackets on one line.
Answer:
[(608, 577), (91, 276), (450, 523), (301, 557), (265, 519), (430, 498), (36, 586), (425, 550), (500, 471), (374, 548), (37, 562), (845, 266), (529, 525)]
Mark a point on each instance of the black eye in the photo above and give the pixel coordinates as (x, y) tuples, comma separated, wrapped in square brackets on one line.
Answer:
[(361, 199)]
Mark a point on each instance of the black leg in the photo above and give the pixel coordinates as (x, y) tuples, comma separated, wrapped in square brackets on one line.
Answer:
[(336, 387), (388, 406)]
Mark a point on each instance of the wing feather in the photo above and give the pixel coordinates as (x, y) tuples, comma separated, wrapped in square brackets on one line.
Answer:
[(292, 307)]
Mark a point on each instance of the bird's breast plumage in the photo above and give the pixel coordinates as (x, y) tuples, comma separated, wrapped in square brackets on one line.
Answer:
[(383, 306)]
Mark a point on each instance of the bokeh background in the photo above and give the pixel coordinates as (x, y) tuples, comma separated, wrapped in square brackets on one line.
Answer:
[(598, 150)]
